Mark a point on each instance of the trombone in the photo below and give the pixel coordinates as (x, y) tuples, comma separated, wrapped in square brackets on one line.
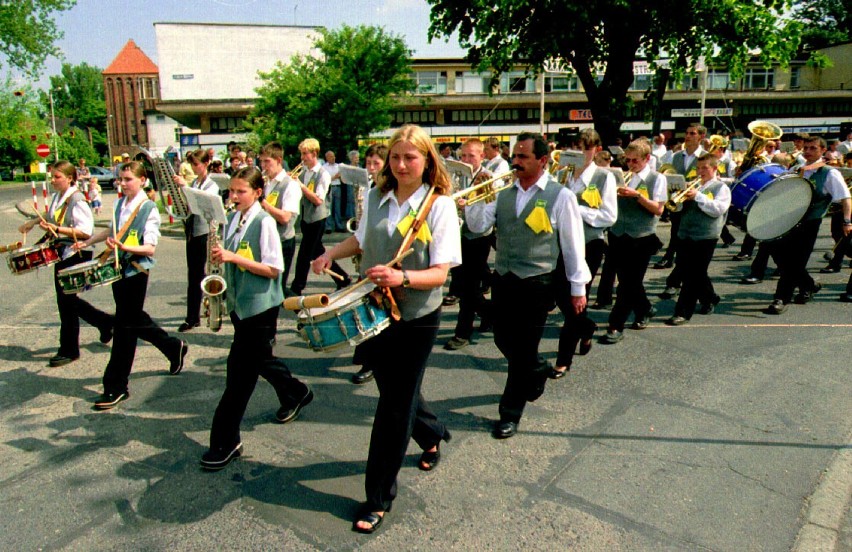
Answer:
[(489, 193), (679, 197)]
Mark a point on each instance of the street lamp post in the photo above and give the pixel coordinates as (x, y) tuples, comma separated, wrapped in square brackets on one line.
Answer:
[(53, 124)]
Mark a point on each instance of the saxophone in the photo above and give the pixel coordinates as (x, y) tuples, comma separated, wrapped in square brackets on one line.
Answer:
[(213, 285)]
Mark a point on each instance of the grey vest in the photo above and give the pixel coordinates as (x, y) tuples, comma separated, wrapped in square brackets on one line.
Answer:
[(466, 232), (129, 261), (311, 212), (379, 248), (249, 294), (520, 250), (599, 181), (821, 200), (678, 162), (285, 231), (633, 219), (695, 224), (195, 224), (68, 220)]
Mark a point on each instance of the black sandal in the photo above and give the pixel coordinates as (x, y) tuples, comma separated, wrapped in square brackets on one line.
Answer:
[(371, 518), (428, 460)]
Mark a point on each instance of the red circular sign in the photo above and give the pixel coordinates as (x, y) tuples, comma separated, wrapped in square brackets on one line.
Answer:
[(43, 150)]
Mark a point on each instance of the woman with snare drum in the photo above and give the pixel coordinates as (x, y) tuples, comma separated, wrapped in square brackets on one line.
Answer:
[(134, 233), (70, 218), (399, 354)]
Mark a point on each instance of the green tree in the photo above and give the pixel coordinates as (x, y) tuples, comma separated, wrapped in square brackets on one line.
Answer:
[(78, 94), (348, 91), (28, 32), (602, 39), (827, 22), (20, 119)]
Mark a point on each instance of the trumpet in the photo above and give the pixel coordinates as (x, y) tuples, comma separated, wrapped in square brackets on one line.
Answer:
[(679, 197), (489, 193), (297, 172)]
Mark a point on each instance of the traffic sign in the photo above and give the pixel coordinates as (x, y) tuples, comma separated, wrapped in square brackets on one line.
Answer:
[(43, 150)]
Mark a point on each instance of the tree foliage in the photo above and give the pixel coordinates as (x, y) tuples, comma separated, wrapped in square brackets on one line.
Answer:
[(20, 119), (78, 94), (28, 32), (607, 36), (348, 91), (826, 22)]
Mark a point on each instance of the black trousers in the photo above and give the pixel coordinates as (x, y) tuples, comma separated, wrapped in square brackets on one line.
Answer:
[(793, 251), (251, 357), (576, 326), (196, 261), (765, 249), (72, 308), (841, 242), (671, 250), (694, 258), (607, 280), (468, 277), (311, 248), (520, 313), (631, 257), (132, 323), (288, 250), (398, 358)]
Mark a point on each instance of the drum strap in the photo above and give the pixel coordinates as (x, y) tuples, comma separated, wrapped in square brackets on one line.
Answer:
[(103, 256)]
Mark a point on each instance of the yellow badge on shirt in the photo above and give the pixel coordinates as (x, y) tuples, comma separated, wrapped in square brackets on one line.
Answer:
[(642, 190), (538, 221), (132, 239), (312, 183), (272, 198), (423, 234), (592, 197), (244, 251), (709, 194)]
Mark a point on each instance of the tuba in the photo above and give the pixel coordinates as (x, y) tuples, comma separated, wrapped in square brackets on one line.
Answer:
[(213, 285), (717, 141), (761, 133)]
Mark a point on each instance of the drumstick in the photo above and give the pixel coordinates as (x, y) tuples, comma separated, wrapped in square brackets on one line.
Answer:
[(51, 230), (366, 281), (11, 247), (115, 247), (333, 274)]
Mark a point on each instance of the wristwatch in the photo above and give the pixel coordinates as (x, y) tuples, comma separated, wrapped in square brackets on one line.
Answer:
[(847, 222), (405, 281)]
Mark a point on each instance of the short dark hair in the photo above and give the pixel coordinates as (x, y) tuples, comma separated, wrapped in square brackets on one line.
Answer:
[(540, 148), (379, 150)]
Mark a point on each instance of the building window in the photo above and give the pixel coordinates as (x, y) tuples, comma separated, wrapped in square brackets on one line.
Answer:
[(795, 73), (641, 82), (561, 83), (421, 117), (430, 82), (484, 117), (468, 82), (226, 124), (718, 80), (758, 79), (516, 81)]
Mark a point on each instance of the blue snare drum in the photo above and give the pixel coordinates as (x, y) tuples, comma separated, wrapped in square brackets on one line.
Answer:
[(768, 201), (350, 318)]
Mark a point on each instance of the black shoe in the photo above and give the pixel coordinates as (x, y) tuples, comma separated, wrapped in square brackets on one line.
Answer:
[(742, 256), (362, 376), (428, 460), (750, 280), (372, 519), (286, 415), (612, 337), (845, 298), (60, 360), (677, 321), (106, 335), (455, 343), (504, 430), (109, 400), (668, 293), (585, 346), (664, 263), (558, 374), (214, 460), (829, 270), (176, 364), (597, 305), (708, 308), (186, 326), (776, 307), (805, 296), (642, 323), (485, 326), (450, 300)]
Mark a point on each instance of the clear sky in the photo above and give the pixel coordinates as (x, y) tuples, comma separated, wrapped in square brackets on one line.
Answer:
[(95, 30)]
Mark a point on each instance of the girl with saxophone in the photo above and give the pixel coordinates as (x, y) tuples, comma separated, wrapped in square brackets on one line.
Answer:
[(134, 233), (251, 254), (404, 186), (196, 229)]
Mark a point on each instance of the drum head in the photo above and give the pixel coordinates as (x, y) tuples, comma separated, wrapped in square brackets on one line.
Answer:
[(779, 207), (79, 267), (343, 298)]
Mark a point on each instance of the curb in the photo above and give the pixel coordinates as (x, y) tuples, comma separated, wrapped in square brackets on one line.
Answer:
[(827, 506)]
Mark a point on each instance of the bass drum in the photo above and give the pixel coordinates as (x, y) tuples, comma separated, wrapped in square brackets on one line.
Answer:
[(768, 201)]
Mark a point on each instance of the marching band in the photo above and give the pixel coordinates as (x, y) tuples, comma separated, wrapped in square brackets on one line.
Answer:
[(552, 226)]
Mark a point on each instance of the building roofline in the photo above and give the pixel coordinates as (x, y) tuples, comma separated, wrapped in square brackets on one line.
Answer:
[(202, 24)]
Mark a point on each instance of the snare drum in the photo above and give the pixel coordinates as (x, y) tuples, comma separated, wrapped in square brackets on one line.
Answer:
[(768, 201), (31, 258), (85, 276), (350, 318)]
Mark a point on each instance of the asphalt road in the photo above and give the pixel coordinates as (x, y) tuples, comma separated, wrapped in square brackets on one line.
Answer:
[(730, 433)]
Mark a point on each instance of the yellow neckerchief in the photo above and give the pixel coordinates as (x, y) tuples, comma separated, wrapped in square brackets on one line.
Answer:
[(590, 194), (60, 217), (537, 220), (641, 188), (242, 247), (423, 233), (707, 193), (272, 198), (312, 183)]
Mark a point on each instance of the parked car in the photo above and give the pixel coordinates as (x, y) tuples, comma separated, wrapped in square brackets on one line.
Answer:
[(104, 176)]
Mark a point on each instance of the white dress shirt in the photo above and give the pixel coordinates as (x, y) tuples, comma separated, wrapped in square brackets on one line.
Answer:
[(270, 242), (605, 215)]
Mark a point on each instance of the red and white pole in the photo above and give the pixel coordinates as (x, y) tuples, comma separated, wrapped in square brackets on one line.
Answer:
[(169, 210), (44, 194), (35, 197)]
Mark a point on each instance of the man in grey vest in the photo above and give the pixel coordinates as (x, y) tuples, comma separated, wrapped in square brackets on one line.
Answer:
[(794, 249), (702, 219), (535, 221)]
